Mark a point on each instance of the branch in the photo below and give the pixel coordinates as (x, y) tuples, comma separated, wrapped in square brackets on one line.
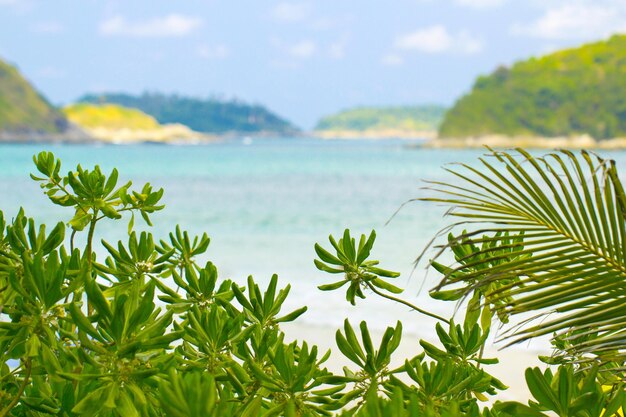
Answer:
[(406, 303)]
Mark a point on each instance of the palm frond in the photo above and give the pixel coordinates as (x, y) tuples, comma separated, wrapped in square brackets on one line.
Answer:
[(571, 210)]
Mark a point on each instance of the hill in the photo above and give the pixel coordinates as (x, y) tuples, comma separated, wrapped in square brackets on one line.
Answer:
[(210, 115), (22, 109), (115, 123), (573, 92), (109, 116), (407, 121)]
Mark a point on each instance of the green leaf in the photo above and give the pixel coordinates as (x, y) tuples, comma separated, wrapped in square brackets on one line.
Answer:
[(91, 403), (291, 316), (80, 220), (540, 389), (364, 251), (82, 322), (323, 267), (333, 286), (386, 286), (326, 256), (518, 410)]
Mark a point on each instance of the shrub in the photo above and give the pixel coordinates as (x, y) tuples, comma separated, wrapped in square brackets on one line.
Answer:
[(151, 331)]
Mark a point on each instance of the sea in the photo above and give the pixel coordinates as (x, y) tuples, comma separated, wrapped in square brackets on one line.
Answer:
[(266, 202)]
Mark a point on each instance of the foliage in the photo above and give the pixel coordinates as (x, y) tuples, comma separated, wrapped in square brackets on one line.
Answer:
[(22, 108), (210, 115), (410, 119), (571, 258), (570, 92), (568, 393), (109, 116), (351, 261), (151, 330)]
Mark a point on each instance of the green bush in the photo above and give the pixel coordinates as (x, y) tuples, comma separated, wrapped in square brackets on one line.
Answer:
[(150, 331)]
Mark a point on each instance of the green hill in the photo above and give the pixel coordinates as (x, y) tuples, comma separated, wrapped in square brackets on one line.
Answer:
[(118, 124), (572, 92), (109, 116), (382, 120), (22, 109), (209, 116)]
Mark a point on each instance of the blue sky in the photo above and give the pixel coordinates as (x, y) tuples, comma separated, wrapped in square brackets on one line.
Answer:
[(301, 58)]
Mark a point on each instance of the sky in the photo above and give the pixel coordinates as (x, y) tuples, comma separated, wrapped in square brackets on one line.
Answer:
[(301, 58)]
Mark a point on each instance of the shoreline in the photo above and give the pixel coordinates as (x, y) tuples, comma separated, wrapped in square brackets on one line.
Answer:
[(173, 134), (73, 134), (164, 134), (383, 134), (178, 135), (537, 142)]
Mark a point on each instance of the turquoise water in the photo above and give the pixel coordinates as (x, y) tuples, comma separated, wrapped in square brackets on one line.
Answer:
[(266, 204)]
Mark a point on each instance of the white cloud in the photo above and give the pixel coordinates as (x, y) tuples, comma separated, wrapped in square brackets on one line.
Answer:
[(432, 39), (392, 60), (302, 50), (213, 52), (173, 25), (437, 39), (480, 4), (50, 28), (291, 12), (577, 21)]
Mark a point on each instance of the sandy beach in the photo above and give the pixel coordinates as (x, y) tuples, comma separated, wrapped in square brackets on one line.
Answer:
[(536, 142), (374, 134)]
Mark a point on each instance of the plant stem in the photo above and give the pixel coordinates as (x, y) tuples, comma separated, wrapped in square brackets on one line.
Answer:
[(406, 303), (89, 253), (92, 229), (72, 240), (119, 211), (13, 403), (480, 354)]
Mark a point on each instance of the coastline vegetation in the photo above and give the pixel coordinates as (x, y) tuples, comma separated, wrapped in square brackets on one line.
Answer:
[(26, 115), (150, 330), (572, 92), (572, 96), (109, 116), (381, 121), (112, 123), (212, 115), (22, 108)]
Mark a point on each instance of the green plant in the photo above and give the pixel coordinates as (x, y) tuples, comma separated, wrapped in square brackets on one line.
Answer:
[(570, 257), (567, 393), (358, 272), (452, 377), (547, 242), (84, 336), (148, 330), (545, 238)]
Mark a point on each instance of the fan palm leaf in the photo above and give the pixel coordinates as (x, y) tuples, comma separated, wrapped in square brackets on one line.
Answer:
[(572, 260)]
